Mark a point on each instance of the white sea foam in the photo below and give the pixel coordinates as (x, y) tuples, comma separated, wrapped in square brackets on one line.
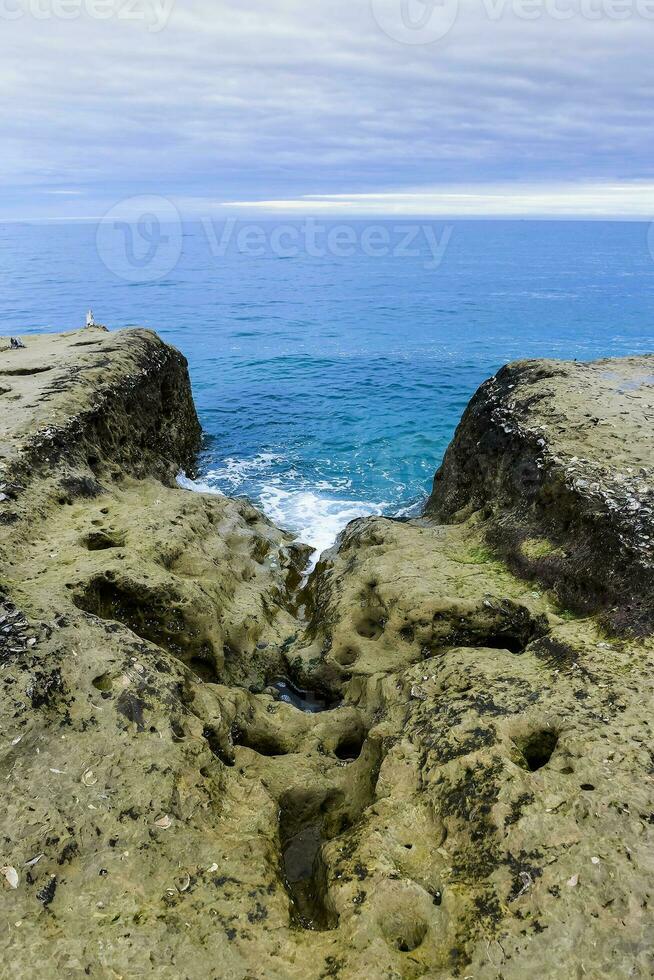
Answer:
[(317, 519), (235, 472), (413, 510), (199, 486)]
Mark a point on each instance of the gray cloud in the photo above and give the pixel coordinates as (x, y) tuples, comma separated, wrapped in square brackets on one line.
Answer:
[(280, 99)]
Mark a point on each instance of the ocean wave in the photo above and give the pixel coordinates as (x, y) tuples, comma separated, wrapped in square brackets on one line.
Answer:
[(236, 472), (316, 518), (197, 486), (411, 510)]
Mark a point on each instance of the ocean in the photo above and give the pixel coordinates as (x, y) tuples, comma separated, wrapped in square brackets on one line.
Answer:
[(331, 363)]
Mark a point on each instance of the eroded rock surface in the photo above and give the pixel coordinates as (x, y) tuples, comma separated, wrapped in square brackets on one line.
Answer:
[(561, 456), (469, 791)]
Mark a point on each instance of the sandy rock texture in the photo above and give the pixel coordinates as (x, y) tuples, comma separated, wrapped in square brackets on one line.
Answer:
[(433, 758)]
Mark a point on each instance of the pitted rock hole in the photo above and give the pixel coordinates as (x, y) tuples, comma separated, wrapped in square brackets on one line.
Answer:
[(371, 628), (103, 540), (494, 624), (404, 932), (537, 748), (306, 821), (103, 683), (263, 743), (218, 746), (346, 657), (124, 604), (350, 746), (205, 670), (504, 641), (310, 701), (151, 614)]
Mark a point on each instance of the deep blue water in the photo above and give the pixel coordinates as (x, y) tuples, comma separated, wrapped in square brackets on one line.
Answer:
[(329, 384)]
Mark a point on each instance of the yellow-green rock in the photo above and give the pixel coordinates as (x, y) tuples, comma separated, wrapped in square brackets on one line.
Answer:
[(478, 798)]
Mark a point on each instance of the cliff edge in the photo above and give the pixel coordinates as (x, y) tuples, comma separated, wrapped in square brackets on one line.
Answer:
[(560, 457)]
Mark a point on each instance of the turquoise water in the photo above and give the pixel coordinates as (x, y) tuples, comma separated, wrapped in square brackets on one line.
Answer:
[(328, 384)]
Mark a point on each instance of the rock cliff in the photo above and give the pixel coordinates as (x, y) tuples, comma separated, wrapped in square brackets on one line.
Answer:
[(560, 457), (431, 759)]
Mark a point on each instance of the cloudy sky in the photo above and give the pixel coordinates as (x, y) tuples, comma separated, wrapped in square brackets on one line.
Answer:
[(328, 106)]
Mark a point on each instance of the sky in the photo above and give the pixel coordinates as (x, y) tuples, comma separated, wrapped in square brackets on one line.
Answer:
[(343, 107)]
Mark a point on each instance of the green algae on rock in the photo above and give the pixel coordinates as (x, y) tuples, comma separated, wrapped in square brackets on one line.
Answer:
[(475, 799)]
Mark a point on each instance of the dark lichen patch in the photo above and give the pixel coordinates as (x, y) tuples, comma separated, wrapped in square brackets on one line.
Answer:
[(471, 800), (458, 956), (83, 487), (258, 914), (517, 808), (69, 851), (47, 893), (554, 653), (333, 967), (488, 910), (477, 857), (46, 688), (482, 918), (447, 745), (132, 707)]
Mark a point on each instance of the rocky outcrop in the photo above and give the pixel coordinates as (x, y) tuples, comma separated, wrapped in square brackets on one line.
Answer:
[(431, 759), (83, 410), (560, 456)]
